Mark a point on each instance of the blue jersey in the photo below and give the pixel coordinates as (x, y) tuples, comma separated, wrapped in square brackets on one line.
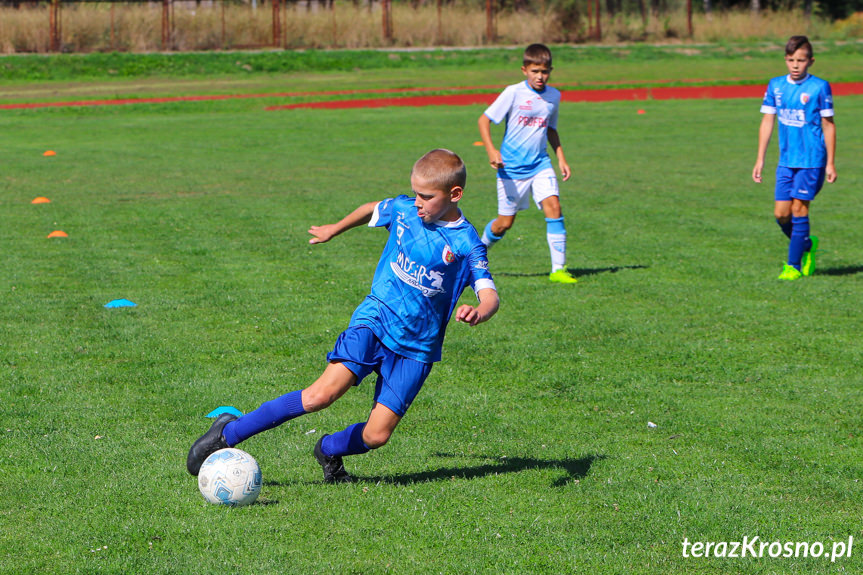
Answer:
[(799, 108), (528, 114), (422, 272)]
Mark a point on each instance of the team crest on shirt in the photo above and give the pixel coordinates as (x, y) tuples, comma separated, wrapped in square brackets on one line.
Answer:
[(448, 256), (804, 98)]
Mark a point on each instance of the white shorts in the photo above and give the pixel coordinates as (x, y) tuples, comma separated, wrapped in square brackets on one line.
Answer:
[(514, 196)]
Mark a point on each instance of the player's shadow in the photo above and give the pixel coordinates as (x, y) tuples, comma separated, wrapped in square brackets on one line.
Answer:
[(575, 469), (577, 272), (839, 271)]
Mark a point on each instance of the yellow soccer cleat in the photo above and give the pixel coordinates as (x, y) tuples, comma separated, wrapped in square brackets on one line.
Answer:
[(562, 277), (790, 273), (807, 265)]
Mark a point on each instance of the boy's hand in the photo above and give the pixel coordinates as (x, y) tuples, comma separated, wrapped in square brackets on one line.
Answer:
[(565, 172), (488, 305), (756, 172), (322, 233), (467, 314), (495, 159), (830, 173)]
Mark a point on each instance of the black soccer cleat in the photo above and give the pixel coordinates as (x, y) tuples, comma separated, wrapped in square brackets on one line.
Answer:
[(209, 443), (334, 469)]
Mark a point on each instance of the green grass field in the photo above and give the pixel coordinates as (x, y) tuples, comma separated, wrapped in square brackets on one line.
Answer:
[(528, 451)]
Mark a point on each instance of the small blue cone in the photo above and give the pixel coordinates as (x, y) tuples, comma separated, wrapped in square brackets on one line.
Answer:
[(225, 409), (120, 303)]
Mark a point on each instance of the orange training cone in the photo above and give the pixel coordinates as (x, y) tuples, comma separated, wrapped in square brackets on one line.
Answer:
[(40, 200), (50, 153), (58, 234)]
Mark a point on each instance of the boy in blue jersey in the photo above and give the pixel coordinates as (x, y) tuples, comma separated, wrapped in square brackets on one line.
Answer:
[(807, 149), (523, 166), (433, 253)]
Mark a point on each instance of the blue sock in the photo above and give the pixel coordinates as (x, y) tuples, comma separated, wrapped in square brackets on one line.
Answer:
[(269, 415), (555, 225), (799, 239), (489, 238), (348, 441), (785, 226)]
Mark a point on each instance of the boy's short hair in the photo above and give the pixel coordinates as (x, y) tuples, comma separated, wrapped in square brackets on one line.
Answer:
[(537, 54), (441, 169), (797, 42)]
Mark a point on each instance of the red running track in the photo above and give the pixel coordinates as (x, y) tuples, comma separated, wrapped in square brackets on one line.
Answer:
[(608, 95), (462, 99)]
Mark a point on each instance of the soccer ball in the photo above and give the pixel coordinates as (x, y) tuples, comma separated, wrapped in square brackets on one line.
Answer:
[(230, 477)]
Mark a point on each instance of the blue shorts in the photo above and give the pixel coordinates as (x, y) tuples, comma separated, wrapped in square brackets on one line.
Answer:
[(399, 378), (799, 183)]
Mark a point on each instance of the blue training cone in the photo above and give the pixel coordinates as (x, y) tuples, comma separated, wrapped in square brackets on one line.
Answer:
[(120, 303)]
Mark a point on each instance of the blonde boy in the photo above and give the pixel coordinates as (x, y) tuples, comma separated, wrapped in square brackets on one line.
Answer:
[(433, 253)]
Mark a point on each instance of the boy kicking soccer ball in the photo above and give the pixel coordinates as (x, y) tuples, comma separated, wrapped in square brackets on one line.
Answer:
[(433, 253), (807, 148), (523, 167)]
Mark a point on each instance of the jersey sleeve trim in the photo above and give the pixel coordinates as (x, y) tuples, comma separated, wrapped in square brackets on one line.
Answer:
[(768, 110), (827, 113), (376, 215), (483, 283)]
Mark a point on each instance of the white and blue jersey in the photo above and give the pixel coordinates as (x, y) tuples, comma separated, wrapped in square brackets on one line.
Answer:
[(421, 274), (528, 114), (799, 108)]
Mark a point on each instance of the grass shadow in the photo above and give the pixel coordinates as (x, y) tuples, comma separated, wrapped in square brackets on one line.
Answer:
[(840, 271), (577, 272), (575, 470)]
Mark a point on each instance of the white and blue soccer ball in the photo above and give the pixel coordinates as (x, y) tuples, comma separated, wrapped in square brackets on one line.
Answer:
[(230, 477)]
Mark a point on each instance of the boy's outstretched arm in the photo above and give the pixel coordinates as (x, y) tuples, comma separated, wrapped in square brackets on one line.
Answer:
[(494, 157), (488, 304), (764, 133), (554, 142), (361, 215), (828, 126)]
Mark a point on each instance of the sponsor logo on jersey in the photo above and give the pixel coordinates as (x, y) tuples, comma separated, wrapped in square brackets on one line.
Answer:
[(793, 118), (526, 106), (532, 121), (417, 276)]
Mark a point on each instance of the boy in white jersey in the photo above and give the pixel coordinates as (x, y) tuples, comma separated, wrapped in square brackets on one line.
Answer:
[(807, 150), (523, 166), (433, 253)]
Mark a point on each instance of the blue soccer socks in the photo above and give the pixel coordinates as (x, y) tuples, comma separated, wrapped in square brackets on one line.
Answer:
[(785, 227), (799, 241), (348, 441), (555, 232), (268, 415), (489, 238)]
